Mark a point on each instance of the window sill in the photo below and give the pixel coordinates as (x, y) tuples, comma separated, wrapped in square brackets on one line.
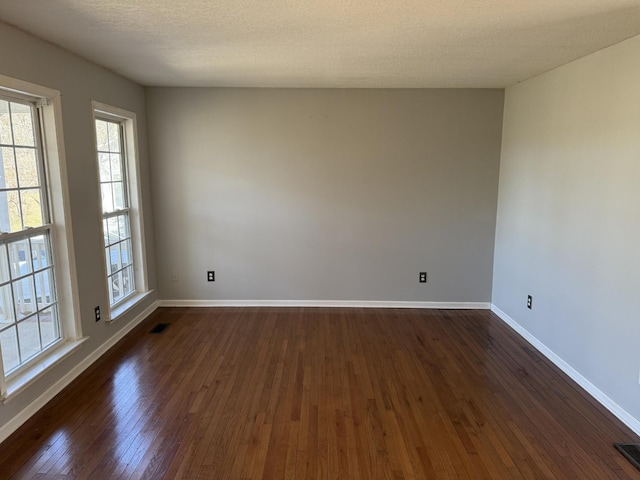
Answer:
[(29, 375), (129, 303)]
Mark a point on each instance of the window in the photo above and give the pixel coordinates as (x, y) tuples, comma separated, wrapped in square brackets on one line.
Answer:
[(30, 260), (121, 208), (28, 307)]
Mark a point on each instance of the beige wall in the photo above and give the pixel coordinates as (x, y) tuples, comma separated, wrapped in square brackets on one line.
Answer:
[(29, 59), (568, 228), (325, 194)]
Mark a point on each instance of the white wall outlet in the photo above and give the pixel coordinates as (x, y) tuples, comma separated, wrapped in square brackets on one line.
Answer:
[(174, 277)]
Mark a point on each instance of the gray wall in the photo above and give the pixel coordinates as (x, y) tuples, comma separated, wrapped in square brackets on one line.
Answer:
[(568, 227), (27, 58), (325, 194)]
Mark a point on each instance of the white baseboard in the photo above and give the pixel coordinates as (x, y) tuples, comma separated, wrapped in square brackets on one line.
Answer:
[(324, 303), (26, 413), (624, 416)]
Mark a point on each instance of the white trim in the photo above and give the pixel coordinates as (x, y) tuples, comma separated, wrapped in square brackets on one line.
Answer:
[(32, 373), (624, 416), (127, 305), (26, 413), (324, 303)]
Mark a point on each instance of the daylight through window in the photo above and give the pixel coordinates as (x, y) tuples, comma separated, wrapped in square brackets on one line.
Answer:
[(29, 321), (115, 209)]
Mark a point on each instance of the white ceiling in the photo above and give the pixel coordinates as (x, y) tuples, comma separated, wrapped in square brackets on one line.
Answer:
[(328, 43)]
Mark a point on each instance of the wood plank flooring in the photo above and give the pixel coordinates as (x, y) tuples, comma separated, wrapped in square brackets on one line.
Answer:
[(284, 393)]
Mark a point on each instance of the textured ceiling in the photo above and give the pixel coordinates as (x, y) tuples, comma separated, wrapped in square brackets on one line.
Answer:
[(328, 43)]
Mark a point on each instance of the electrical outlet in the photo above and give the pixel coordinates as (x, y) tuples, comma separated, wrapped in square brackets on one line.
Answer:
[(423, 277), (174, 277), (97, 312), (211, 276), (529, 302)]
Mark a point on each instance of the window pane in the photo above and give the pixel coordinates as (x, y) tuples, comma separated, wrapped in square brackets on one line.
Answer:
[(10, 212), (107, 258), (5, 123), (116, 167), (116, 282), (110, 288), (113, 230), (104, 166), (114, 256), (22, 126), (49, 326), (128, 280), (123, 225), (29, 337), (27, 167), (4, 264), (19, 257), (9, 346), (102, 136), (44, 288), (125, 252), (107, 198), (23, 297), (118, 196), (8, 176), (6, 306), (114, 137), (32, 208), (40, 252)]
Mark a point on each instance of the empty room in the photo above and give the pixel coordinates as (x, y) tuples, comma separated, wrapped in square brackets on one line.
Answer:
[(328, 240)]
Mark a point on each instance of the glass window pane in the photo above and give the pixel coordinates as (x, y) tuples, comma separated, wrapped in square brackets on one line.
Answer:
[(104, 166), (113, 230), (8, 175), (23, 297), (128, 284), (102, 136), (40, 252), (123, 225), (22, 126), (105, 232), (5, 124), (10, 212), (44, 288), (116, 166), (118, 195), (107, 198), (116, 282), (4, 264), (110, 288), (6, 306), (32, 208), (114, 256), (19, 257), (27, 167), (125, 252), (49, 326), (107, 257), (9, 347), (29, 336), (114, 137)]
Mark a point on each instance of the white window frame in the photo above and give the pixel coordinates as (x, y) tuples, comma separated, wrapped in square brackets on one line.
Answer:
[(52, 143), (131, 157)]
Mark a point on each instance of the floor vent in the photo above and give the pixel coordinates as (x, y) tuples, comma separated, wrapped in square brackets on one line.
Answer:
[(159, 328), (631, 451)]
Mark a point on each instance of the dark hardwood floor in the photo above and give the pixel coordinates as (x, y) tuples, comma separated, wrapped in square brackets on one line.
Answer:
[(251, 393)]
